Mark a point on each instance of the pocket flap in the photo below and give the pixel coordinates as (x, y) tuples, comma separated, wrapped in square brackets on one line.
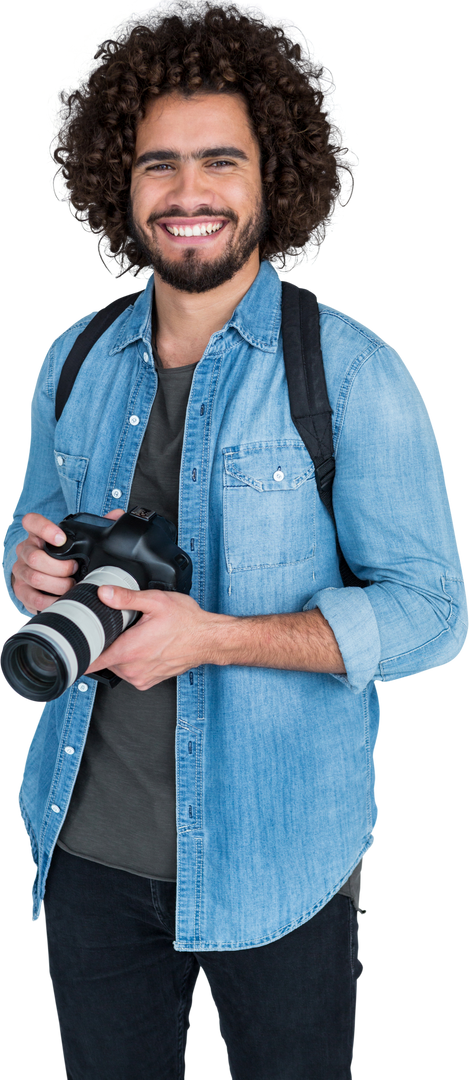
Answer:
[(70, 466), (272, 466)]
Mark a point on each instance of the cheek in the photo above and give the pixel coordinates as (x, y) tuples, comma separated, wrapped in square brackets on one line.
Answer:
[(142, 198)]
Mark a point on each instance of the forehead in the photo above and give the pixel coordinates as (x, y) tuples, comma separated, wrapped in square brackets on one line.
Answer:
[(178, 121)]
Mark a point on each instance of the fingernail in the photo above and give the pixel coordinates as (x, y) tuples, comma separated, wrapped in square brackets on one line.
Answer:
[(74, 568), (59, 539), (107, 592)]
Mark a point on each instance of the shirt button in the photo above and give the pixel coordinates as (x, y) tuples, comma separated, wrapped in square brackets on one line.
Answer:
[(82, 686), (55, 808), (60, 460), (134, 420), (146, 357), (279, 475), (69, 750), (116, 493)]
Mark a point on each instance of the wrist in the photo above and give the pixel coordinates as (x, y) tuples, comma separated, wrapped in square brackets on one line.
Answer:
[(217, 644)]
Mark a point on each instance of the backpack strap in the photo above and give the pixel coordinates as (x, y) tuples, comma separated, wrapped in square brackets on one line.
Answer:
[(309, 402), (83, 345)]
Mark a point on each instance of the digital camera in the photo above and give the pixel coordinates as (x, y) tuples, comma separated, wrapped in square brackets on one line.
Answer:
[(56, 646)]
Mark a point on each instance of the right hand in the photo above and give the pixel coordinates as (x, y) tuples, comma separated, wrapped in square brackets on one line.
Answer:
[(38, 579)]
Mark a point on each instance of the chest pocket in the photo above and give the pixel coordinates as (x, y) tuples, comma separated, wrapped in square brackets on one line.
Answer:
[(268, 504), (72, 472)]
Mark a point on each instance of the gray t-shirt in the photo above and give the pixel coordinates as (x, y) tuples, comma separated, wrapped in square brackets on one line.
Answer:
[(123, 808)]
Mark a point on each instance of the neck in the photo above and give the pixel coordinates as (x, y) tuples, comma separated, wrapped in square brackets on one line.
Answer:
[(186, 321)]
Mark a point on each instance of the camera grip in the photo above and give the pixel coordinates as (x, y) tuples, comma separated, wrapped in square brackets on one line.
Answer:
[(107, 677)]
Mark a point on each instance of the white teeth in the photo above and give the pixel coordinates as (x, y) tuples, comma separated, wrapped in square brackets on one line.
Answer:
[(196, 230)]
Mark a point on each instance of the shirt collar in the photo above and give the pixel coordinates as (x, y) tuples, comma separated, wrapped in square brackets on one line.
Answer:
[(257, 317)]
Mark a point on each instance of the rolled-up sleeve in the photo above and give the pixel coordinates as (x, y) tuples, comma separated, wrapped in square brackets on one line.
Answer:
[(395, 530)]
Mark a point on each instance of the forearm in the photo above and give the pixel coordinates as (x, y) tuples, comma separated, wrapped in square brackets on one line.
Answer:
[(300, 641)]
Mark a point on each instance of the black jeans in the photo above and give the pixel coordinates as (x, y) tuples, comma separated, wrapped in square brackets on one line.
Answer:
[(123, 993)]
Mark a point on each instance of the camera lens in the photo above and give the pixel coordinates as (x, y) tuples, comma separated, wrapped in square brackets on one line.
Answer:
[(34, 667), (57, 645), (37, 662)]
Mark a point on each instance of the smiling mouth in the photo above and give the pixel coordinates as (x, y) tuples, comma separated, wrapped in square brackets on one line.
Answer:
[(199, 229), (195, 230)]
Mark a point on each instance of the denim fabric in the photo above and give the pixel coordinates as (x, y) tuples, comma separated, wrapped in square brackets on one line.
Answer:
[(274, 768), (123, 993)]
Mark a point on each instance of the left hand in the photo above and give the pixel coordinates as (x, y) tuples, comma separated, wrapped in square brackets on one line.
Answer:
[(173, 635)]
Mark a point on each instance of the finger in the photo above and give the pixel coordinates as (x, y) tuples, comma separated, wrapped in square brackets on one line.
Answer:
[(44, 600), (33, 601), (46, 583), (47, 530), (114, 514), (130, 599), (37, 559), (103, 661)]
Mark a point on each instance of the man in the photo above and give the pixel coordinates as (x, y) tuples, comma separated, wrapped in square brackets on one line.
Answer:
[(200, 148)]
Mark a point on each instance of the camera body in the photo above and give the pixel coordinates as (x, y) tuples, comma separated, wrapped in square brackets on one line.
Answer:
[(141, 542), (138, 551)]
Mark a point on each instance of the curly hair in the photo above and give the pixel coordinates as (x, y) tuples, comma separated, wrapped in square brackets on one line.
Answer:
[(211, 49)]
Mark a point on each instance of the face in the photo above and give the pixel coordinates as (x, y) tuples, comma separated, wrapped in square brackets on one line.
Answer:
[(196, 194)]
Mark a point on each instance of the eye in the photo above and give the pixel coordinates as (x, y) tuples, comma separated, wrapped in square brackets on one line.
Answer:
[(151, 169), (159, 167), (220, 163)]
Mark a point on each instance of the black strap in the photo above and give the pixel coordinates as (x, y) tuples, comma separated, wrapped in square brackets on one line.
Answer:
[(309, 403), (83, 345)]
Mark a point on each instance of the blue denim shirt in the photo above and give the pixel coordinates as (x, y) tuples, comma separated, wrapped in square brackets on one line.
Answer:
[(274, 768)]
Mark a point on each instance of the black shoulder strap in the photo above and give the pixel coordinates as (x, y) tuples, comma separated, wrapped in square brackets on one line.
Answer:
[(83, 345), (309, 402)]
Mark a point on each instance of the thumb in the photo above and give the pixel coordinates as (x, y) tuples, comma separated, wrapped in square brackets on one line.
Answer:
[(116, 597), (114, 515)]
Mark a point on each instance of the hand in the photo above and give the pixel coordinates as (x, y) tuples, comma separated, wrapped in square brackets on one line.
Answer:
[(38, 579), (173, 635)]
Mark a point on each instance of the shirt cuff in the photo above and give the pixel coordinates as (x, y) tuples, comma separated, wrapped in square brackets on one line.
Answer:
[(353, 623)]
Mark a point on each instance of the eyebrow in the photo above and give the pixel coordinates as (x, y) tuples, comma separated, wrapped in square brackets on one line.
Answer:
[(198, 155)]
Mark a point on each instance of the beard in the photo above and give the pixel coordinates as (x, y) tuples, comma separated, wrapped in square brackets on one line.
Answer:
[(194, 274)]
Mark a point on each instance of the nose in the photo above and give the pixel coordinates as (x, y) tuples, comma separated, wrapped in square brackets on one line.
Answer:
[(191, 188)]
